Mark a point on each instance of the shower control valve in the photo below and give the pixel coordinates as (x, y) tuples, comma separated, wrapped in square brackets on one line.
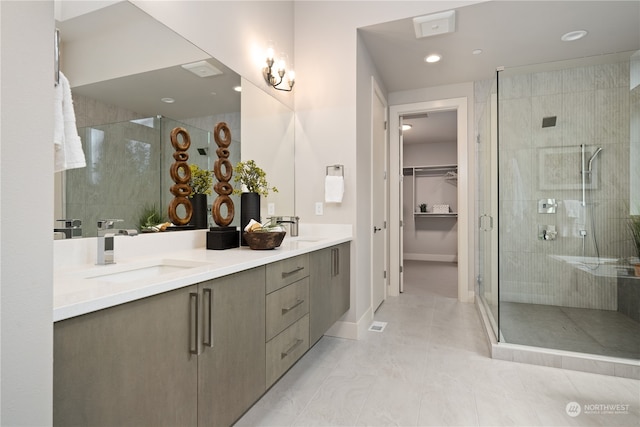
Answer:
[(547, 232)]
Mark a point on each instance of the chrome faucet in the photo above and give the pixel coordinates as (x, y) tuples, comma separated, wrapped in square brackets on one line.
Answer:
[(293, 222), (106, 233)]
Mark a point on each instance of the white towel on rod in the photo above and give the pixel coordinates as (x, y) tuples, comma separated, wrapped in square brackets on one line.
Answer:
[(333, 188), (67, 144)]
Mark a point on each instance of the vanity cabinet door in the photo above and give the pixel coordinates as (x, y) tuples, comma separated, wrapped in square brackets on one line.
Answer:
[(231, 360), (329, 288), (128, 365)]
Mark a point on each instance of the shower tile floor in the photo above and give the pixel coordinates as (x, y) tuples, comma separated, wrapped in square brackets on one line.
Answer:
[(602, 332), (431, 367)]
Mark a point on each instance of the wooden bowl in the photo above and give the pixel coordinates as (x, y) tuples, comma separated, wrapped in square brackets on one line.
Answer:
[(262, 240)]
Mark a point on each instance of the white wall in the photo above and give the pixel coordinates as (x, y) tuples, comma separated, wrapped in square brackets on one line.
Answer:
[(26, 206)]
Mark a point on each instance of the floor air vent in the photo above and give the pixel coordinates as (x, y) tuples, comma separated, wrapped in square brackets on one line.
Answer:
[(378, 326)]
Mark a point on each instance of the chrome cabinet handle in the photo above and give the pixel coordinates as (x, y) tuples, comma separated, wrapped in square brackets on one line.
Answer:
[(290, 349), (288, 309), (207, 338), (289, 273), (193, 323)]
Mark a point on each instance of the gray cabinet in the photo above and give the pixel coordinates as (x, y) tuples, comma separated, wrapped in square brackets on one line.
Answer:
[(231, 362), (287, 315), (329, 288), (128, 365), (193, 356)]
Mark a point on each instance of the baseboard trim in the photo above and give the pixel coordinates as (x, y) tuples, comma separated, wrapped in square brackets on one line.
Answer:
[(430, 257), (351, 330)]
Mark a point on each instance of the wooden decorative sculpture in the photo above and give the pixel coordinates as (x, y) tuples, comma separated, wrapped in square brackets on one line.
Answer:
[(181, 175), (223, 170), (223, 236)]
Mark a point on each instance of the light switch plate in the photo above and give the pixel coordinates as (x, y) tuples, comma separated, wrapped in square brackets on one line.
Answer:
[(271, 208), (319, 208)]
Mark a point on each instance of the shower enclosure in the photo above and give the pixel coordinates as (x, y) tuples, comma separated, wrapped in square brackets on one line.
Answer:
[(559, 177)]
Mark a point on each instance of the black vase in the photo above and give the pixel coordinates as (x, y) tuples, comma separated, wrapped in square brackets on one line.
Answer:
[(249, 209), (200, 215)]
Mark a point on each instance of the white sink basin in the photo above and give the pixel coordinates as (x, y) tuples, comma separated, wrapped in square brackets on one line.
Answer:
[(134, 272)]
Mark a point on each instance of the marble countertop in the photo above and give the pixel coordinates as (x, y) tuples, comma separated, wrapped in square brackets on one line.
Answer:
[(83, 287)]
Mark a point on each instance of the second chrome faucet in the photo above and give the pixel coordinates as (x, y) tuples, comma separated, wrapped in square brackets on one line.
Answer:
[(106, 233)]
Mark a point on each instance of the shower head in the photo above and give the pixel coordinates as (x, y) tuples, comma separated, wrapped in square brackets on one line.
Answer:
[(593, 156)]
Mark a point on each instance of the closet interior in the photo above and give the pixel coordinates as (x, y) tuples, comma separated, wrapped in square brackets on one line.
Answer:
[(430, 190)]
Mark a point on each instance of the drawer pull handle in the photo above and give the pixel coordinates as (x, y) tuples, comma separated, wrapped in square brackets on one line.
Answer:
[(293, 347), (288, 309), (289, 273)]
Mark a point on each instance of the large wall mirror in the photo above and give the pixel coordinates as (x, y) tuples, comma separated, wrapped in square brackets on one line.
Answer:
[(130, 88)]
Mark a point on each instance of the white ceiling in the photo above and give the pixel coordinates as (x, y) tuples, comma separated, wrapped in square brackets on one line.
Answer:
[(509, 33)]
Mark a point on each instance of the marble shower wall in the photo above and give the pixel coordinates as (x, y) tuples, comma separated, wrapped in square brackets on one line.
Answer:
[(592, 106)]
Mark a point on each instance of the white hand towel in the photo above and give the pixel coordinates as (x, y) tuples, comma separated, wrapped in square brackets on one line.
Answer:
[(67, 144), (333, 189)]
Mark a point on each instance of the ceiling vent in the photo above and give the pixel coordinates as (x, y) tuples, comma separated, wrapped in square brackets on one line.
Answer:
[(202, 69), (434, 24)]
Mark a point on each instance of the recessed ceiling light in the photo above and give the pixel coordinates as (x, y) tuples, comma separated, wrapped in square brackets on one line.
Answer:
[(433, 58), (168, 100), (237, 88), (406, 126), (477, 51), (573, 35)]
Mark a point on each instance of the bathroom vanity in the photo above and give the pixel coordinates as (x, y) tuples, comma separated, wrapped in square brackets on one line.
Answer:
[(193, 337)]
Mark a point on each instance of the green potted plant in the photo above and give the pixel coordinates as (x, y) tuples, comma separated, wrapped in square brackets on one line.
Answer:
[(634, 228), (253, 180), (251, 177), (151, 219), (201, 184), (423, 207)]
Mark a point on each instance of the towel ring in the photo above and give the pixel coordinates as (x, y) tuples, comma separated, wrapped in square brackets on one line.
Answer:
[(335, 168)]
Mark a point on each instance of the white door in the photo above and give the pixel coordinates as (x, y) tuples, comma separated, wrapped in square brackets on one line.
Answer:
[(378, 198)]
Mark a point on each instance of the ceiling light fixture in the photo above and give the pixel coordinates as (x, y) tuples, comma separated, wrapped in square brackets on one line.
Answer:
[(432, 58), (477, 51), (573, 35), (406, 126), (168, 100), (274, 73)]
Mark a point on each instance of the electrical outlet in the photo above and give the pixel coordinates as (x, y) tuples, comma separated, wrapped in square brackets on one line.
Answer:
[(319, 208), (271, 208)]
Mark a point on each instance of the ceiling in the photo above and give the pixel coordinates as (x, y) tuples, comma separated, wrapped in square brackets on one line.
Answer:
[(509, 33)]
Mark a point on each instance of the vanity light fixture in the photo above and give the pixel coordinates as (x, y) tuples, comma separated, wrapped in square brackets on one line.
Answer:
[(274, 72)]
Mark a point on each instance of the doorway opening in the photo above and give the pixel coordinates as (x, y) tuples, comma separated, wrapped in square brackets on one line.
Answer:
[(449, 196), (430, 202)]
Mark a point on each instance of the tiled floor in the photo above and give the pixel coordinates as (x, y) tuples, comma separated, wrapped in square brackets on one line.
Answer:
[(603, 332), (431, 367)]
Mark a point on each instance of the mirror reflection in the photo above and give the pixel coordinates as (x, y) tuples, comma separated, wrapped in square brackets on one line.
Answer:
[(133, 80)]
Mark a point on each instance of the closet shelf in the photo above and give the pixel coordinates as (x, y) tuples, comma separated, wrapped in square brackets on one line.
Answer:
[(436, 215)]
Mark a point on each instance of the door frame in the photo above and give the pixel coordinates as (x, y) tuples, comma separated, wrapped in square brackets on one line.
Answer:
[(376, 92), (465, 242)]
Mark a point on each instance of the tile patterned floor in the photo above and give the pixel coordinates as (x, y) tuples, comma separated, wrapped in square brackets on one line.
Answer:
[(431, 367)]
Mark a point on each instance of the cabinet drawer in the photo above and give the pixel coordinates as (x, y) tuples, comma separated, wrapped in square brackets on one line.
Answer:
[(285, 349), (286, 305), (287, 271)]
